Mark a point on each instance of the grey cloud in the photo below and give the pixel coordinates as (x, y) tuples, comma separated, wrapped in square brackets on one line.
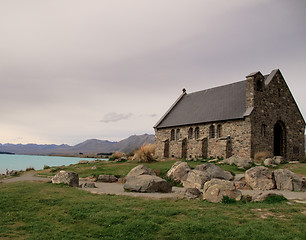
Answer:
[(115, 117)]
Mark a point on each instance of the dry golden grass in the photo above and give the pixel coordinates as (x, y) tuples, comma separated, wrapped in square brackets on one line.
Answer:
[(145, 153), (261, 156)]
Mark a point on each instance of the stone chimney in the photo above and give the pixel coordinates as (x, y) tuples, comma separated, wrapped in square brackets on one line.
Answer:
[(255, 84)]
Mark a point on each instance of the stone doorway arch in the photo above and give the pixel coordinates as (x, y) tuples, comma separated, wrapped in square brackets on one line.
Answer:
[(279, 145)]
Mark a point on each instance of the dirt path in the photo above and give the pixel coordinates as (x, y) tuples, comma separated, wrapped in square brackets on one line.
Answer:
[(24, 177)]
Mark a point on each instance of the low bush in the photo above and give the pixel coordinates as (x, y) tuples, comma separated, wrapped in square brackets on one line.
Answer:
[(228, 200), (116, 155), (30, 169), (46, 167), (275, 199), (145, 154)]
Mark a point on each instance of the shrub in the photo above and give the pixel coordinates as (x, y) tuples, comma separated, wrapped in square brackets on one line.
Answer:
[(116, 155), (29, 169), (55, 169), (275, 199), (228, 200), (145, 153), (261, 156), (46, 167)]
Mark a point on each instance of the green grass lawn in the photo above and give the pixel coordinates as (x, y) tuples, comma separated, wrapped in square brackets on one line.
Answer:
[(47, 211), (122, 169)]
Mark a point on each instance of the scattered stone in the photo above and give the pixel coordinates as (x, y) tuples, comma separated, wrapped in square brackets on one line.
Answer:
[(294, 162), (107, 178), (239, 162), (70, 178), (240, 183), (192, 193), (287, 180), (196, 179), (140, 170), (259, 197), (90, 179), (94, 168), (214, 171), (216, 189), (179, 171), (260, 178), (121, 180), (272, 162), (88, 185), (83, 162), (213, 160), (147, 184)]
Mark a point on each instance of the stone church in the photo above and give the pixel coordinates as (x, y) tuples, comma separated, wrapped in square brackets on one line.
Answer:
[(241, 119)]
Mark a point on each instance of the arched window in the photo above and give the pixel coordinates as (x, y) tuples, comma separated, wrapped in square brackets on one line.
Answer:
[(190, 133), (212, 131), (178, 134), (263, 130), (219, 131), (172, 137), (197, 133)]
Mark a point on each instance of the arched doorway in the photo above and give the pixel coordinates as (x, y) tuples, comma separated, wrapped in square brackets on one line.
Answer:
[(279, 139)]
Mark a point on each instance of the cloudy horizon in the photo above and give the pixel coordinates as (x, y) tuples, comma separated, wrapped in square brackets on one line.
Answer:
[(72, 70)]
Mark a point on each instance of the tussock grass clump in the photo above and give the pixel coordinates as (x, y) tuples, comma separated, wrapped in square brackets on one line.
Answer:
[(116, 155), (261, 156), (145, 154)]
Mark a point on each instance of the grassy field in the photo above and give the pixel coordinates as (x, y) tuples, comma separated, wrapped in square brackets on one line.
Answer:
[(122, 169), (47, 211)]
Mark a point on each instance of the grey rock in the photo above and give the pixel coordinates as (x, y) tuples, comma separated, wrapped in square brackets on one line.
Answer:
[(238, 161), (107, 178), (192, 193), (179, 171), (260, 178), (140, 170), (147, 184), (196, 179), (67, 177), (287, 180), (215, 189), (88, 185), (214, 171)]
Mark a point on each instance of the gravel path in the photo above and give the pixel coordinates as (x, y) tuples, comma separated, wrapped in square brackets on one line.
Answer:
[(117, 189)]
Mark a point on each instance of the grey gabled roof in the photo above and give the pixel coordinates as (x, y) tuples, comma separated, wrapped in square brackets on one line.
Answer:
[(215, 104)]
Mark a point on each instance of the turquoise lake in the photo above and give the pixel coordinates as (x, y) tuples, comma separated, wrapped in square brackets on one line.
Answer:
[(21, 162)]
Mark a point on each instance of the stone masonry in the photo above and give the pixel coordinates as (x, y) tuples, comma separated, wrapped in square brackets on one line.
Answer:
[(272, 123)]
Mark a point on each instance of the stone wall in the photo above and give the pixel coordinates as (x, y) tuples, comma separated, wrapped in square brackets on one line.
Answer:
[(235, 139), (274, 104)]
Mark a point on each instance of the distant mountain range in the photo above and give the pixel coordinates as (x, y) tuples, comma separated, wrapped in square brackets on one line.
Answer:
[(91, 146)]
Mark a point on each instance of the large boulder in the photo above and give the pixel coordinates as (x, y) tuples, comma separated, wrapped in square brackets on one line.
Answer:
[(287, 180), (196, 179), (179, 171), (147, 184), (214, 171), (238, 161), (140, 170), (192, 193), (107, 178), (67, 177), (216, 189), (260, 178), (240, 183)]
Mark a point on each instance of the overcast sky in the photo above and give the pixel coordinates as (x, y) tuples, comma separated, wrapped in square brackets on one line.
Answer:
[(71, 70)]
